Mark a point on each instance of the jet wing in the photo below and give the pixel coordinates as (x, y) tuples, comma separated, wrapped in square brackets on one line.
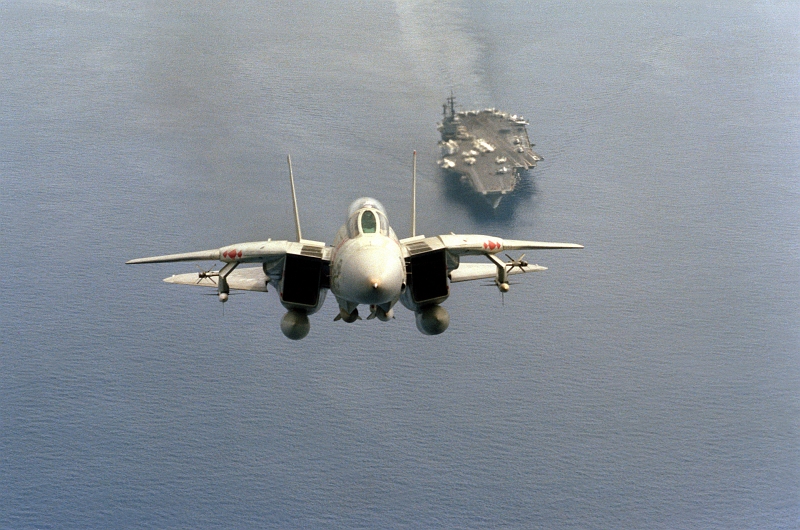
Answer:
[(475, 245), (482, 271), (245, 279), (252, 252), (270, 254)]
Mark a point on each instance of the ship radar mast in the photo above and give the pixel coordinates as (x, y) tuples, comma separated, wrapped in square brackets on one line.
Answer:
[(451, 102)]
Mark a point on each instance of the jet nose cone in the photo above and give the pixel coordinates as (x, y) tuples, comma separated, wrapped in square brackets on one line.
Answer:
[(381, 290), (373, 276), (368, 270)]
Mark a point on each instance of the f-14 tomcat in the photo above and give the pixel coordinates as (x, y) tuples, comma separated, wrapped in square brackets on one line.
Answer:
[(367, 265)]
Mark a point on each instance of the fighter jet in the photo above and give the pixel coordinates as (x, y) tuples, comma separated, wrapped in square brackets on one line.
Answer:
[(366, 265)]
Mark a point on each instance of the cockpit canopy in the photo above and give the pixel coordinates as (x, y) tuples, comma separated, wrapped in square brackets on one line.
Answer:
[(366, 216)]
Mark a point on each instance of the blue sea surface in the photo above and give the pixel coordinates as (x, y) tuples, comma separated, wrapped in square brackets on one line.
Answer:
[(651, 380)]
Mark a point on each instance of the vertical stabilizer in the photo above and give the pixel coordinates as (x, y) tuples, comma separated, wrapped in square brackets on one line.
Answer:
[(294, 200), (414, 196)]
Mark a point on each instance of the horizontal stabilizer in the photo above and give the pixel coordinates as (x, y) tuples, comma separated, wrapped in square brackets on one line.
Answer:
[(244, 279), (481, 271)]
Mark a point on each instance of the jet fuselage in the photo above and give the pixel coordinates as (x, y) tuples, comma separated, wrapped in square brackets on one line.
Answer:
[(367, 264)]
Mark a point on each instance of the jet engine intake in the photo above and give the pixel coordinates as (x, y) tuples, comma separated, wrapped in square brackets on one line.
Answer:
[(428, 274), (302, 283)]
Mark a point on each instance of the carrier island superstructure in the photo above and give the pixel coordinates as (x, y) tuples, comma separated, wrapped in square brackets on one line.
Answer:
[(488, 149)]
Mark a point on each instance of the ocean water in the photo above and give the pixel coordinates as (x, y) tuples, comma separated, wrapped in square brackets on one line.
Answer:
[(651, 380)]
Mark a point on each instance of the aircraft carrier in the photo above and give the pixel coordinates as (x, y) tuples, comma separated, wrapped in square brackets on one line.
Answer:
[(488, 149)]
